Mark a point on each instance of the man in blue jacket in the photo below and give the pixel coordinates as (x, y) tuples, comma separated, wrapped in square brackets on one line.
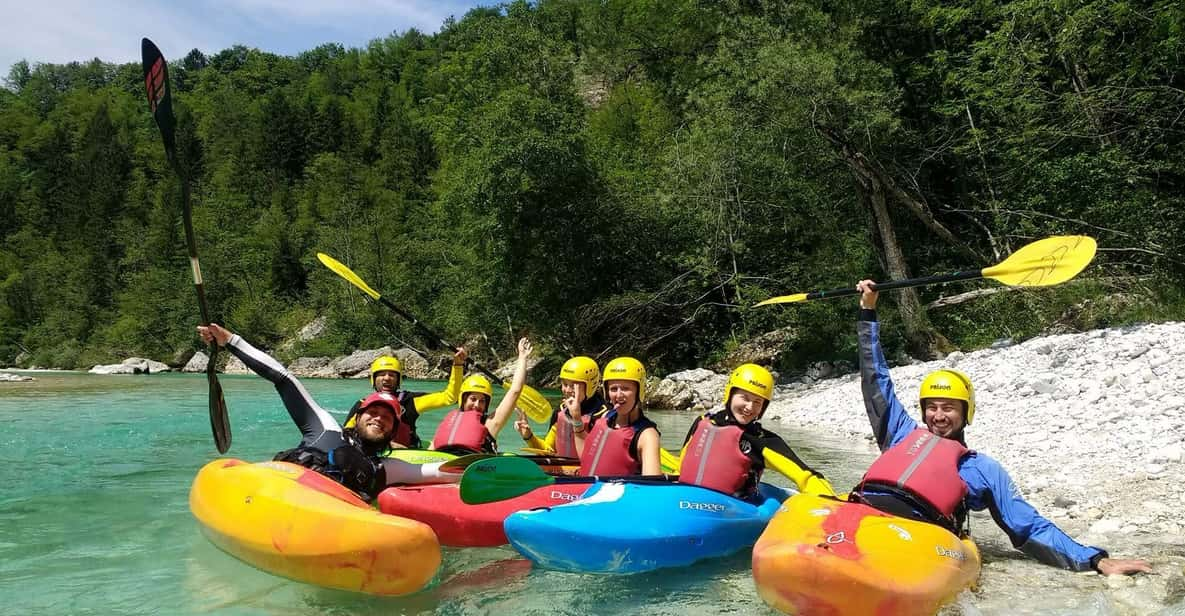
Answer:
[(927, 472)]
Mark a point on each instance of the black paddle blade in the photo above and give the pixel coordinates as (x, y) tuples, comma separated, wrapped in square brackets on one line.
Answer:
[(219, 419), (160, 96)]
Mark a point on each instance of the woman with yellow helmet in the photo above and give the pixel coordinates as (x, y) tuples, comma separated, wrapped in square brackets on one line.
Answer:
[(623, 441), (386, 376), (470, 428), (726, 450), (926, 472), (580, 382)]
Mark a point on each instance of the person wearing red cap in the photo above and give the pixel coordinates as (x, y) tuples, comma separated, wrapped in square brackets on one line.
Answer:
[(350, 456)]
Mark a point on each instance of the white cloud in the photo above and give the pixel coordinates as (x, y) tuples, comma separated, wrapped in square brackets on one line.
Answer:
[(60, 31)]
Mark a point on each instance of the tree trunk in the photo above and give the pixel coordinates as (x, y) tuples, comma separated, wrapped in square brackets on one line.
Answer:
[(871, 173), (922, 340)]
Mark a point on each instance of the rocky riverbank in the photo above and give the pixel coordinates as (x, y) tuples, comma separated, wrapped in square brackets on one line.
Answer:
[(1091, 426)]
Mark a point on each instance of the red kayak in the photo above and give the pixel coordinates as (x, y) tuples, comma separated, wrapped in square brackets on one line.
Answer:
[(460, 525)]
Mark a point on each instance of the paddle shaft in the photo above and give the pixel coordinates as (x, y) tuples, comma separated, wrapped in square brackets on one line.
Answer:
[(156, 83), (434, 337), (898, 284)]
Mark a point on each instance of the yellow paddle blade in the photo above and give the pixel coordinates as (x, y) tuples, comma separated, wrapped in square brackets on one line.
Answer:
[(340, 269), (533, 403), (670, 462), (1046, 262), (783, 299), (806, 481)]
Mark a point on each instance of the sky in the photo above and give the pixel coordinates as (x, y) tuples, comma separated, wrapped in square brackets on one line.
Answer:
[(60, 31)]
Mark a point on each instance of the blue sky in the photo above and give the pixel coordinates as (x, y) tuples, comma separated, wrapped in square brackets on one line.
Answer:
[(60, 31)]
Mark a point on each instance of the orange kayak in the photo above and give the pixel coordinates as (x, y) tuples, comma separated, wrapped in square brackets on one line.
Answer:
[(293, 522), (825, 556)]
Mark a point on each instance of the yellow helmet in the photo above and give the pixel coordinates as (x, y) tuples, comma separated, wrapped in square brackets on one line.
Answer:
[(753, 379), (385, 363), (583, 370), (951, 384), (476, 384), (627, 369)]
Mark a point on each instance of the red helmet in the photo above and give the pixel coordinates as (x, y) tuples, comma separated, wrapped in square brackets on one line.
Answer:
[(382, 398)]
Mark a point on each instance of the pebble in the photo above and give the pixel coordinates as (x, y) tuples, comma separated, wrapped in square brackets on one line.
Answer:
[(1083, 436), (1119, 581)]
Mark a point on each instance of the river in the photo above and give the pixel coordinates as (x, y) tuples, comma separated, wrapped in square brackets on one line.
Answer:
[(94, 519)]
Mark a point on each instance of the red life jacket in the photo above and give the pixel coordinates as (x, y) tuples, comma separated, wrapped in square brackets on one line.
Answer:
[(607, 450), (463, 429), (713, 458), (402, 432), (565, 437), (926, 466)]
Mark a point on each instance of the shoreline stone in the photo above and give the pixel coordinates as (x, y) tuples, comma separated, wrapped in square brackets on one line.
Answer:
[(131, 365)]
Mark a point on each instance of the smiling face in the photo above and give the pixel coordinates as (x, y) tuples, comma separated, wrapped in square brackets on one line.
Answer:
[(375, 423), (746, 407), (386, 380), (622, 394), (570, 387), (474, 401), (943, 416)]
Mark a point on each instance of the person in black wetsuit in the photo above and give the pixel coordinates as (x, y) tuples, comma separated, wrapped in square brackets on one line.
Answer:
[(351, 456)]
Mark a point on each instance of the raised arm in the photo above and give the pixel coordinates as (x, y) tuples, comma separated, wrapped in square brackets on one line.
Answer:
[(452, 391), (502, 414), (312, 420), (890, 422)]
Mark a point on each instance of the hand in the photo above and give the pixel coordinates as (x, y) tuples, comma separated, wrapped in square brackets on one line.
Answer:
[(524, 348), (573, 403), (521, 425), (396, 445), (1123, 566), (460, 356), (214, 333), (868, 296)]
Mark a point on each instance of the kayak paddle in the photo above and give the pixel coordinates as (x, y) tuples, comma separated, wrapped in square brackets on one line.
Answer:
[(502, 477), (160, 101), (1043, 263), (530, 400), (669, 461), (461, 463)]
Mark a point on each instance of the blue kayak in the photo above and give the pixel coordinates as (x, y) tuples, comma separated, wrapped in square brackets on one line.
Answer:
[(620, 527)]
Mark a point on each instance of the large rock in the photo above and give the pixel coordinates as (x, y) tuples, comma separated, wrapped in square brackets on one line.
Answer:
[(21, 358), (358, 361), (696, 389), (235, 366), (180, 358), (131, 365), (309, 366), (6, 377), (762, 350), (197, 363), (416, 367)]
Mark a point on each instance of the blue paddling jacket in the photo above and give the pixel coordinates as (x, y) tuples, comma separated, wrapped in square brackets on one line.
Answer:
[(988, 484)]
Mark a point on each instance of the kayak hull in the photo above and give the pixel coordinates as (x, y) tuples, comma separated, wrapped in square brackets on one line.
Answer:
[(826, 556), (419, 456), (460, 525), (621, 527), (296, 523)]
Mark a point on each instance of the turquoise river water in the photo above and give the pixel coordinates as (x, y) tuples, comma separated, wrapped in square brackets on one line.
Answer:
[(94, 519)]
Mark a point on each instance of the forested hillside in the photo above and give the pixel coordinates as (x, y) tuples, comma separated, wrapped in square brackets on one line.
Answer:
[(611, 177)]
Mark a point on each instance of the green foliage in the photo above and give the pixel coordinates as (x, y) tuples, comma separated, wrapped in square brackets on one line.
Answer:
[(623, 176)]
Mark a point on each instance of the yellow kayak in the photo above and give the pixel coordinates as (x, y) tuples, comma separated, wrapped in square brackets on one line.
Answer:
[(299, 524), (825, 556)]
